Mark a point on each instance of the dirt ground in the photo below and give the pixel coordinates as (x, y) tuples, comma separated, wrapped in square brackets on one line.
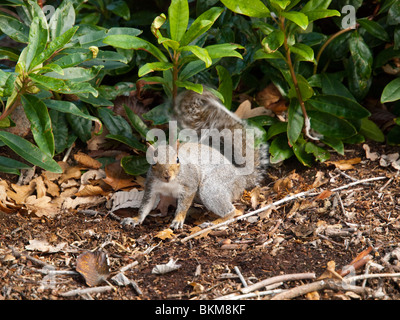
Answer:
[(320, 233)]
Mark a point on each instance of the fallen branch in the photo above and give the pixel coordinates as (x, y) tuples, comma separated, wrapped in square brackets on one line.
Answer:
[(276, 203), (319, 285), (371, 276), (75, 292), (285, 277)]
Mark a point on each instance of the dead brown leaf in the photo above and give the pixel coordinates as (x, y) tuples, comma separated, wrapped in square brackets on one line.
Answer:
[(346, 164), (117, 178), (165, 234), (21, 192), (244, 111), (90, 190), (86, 161), (93, 266), (42, 206), (70, 173)]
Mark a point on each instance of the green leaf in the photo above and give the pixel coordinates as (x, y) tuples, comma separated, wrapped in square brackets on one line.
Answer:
[(62, 20), (115, 124), (306, 90), (74, 59), (37, 41), (9, 54), (331, 126), (154, 66), (36, 112), (280, 149), (251, 8), (11, 166), (71, 108), (158, 115), (319, 153), (76, 74), (136, 122), (201, 25), (393, 16), (57, 44), (339, 106), (225, 85), (200, 53), (359, 66), (7, 83), (15, 29), (196, 87), (305, 52), (135, 165), (63, 86), (320, 14), (273, 41), (374, 28), (371, 131), (334, 143), (280, 4), (62, 137), (178, 17), (299, 149), (297, 17), (132, 42), (120, 8), (222, 50), (29, 152), (295, 121), (261, 54), (275, 129), (393, 136), (132, 141), (391, 92), (81, 126)]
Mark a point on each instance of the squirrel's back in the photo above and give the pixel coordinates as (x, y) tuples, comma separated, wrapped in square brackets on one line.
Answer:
[(205, 114)]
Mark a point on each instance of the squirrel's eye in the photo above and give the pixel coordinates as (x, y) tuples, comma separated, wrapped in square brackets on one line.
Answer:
[(177, 160)]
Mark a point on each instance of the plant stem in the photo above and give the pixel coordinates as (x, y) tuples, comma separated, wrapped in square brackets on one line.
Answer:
[(295, 83), (175, 69), (330, 39)]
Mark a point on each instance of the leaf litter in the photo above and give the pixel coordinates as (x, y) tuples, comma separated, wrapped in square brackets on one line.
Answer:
[(341, 228)]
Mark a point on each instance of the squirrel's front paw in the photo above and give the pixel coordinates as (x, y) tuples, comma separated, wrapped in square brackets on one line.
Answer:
[(130, 222), (176, 224)]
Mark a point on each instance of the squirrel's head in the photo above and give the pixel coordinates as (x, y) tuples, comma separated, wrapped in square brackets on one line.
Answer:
[(166, 163)]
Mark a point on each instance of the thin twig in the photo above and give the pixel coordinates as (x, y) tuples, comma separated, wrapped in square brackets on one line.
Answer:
[(234, 296), (242, 280), (276, 203), (319, 285), (285, 277), (75, 292), (371, 275)]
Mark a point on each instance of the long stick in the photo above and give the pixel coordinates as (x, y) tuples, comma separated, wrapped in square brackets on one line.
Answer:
[(286, 199), (276, 203)]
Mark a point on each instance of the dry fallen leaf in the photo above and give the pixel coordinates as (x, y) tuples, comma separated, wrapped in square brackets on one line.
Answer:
[(165, 234), (90, 190), (244, 111), (165, 268), (87, 161), (70, 173), (346, 164), (42, 206), (117, 178), (44, 246), (21, 192), (94, 267)]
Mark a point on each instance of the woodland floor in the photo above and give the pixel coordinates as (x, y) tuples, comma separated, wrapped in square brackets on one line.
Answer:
[(310, 234)]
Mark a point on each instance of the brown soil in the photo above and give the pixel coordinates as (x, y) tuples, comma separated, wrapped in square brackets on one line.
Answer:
[(285, 242)]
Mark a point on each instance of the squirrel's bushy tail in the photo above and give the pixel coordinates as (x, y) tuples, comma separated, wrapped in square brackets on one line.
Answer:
[(205, 113)]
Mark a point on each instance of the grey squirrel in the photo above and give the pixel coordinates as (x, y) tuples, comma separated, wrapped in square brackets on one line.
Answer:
[(198, 171)]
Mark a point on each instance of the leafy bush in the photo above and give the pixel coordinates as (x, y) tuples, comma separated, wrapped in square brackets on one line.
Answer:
[(61, 63)]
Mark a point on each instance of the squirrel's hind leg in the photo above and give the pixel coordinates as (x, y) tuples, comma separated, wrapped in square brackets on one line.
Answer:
[(217, 199)]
